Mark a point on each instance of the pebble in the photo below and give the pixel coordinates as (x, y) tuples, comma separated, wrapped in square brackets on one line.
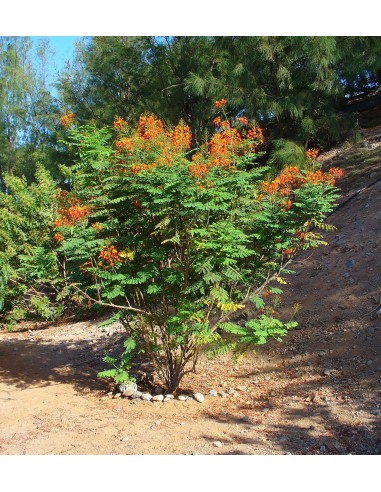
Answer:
[(135, 395), (117, 395), (169, 397), (158, 398), (125, 438), (369, 362), (217, 444), (213, 393), (158, 390), (182, 398), (245, 419), (323, 449), (146, 396), (265, 410), (231, 391), (241, 388), (327, 372), (199, 397)]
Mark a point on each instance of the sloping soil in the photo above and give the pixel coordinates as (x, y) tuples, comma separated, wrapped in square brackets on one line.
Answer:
[(318, 392)]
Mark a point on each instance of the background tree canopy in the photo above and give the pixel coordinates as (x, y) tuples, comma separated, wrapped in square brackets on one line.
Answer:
[(296, 87)]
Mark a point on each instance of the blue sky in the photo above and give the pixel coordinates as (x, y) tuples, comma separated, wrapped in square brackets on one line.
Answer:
[(63, 46)]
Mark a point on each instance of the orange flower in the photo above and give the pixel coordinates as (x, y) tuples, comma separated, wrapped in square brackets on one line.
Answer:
[(244, 121), (220, 104), (289, 251), (149, 127), (119, 123), (67, 120), (181, 137), (312, 154), (58, 237), (124, 144), (110, 255), (217, 121)]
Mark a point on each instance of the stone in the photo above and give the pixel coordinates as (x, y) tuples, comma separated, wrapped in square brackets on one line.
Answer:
[(158, 390), (169, 397), (199, 397), (241, 388), (217, 444), (265, 410), (158, 398), (182, 397), (323, 449), (135, 395), (213, 393), (350, 263), (125, 438), (117, 395), (127, 388), (245, 419), (231, 391), (327, 372), (146, 396)]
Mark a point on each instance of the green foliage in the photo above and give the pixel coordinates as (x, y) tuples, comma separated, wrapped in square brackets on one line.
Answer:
[(28, 264), (120, 369)]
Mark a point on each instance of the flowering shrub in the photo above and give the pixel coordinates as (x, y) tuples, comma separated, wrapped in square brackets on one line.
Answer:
[(186, 244)]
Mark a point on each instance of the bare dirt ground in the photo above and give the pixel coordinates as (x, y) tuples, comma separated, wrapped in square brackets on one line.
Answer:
[(318, 392)]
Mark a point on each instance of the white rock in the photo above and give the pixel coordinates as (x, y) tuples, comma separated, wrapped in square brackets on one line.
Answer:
[(137, 394), (182, 398), (199, 397), (217, 444), (213, 393), (169, 397), (158, 398), (241, 388), (146, 396)]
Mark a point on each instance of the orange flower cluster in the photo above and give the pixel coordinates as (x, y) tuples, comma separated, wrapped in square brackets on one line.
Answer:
[(110, 255), (119, 123), (223, 145), (149, 127), (312, 154), (198, 171), (69, 210), (220, 104), (58, 237), (320, 177), (67, 120), (181, 137), (97, 226), (124, 143), (137, 168), (244, 121), (290, 179), (255, 134)]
